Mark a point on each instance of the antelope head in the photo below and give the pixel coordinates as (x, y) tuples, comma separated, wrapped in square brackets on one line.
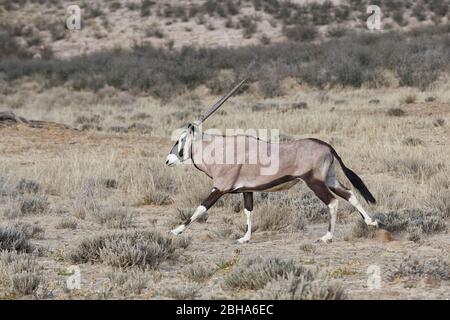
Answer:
[(181, 151)]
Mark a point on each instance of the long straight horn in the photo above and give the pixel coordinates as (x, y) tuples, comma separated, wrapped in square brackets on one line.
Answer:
[(217, 105)]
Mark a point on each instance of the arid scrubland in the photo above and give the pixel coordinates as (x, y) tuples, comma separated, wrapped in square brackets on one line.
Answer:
[(84, 184)]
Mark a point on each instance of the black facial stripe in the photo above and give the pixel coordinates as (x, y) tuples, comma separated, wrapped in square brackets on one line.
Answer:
[(182, 149)]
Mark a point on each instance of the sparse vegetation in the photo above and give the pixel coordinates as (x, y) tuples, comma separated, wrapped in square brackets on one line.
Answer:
[(19, 273), (411, 141), (94, 114), (12, 239), (199, 272), (353, 60), (396, 112), (132, 281), (67, 224), (114, 217), (255, 273), (146, 249), (184, 292), (30, 231), (302, 288), (414, 222), (414, 267)]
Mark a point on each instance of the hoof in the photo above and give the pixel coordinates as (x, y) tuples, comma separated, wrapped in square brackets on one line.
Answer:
[(327, 238), (372, 223), (243, 240)]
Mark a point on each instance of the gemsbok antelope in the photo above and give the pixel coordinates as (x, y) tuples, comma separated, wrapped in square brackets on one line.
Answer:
[(310, 160)]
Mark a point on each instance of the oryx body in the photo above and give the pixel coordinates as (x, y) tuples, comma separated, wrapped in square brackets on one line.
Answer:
[(310, 160)]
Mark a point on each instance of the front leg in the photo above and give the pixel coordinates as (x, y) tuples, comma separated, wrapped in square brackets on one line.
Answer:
[(248, 208), (201, 210)]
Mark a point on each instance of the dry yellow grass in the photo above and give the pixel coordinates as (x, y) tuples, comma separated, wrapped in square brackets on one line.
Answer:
[(94, 169), (93, 165)]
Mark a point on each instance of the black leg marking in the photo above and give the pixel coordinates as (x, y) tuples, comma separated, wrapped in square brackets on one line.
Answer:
[(212, 198), (248, 201)]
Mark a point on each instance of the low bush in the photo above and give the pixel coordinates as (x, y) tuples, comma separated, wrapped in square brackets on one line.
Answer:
[(133, 281), (12, 239), (413, 221), (199, 272), (416, 58), (113, 216), (414, 267), (302, 288), (144, 249), (255, 273), (19, 273)]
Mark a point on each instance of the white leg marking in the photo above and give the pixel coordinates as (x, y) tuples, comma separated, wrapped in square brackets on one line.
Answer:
[(327, 237), (367, 219), (248, 234), (179, 229), (201, 210), (333, 206), (197, 214)]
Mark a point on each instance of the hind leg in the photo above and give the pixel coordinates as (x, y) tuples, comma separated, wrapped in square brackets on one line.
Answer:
[(323, 193), (333, 183)]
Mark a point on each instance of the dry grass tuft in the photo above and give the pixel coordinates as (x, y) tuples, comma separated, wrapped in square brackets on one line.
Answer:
[(411, 141), (23, 205), (144, 249), (114, 217), (183, 292), (413, 267), (12, 239), (255, 273), (19, 272), (411, 98), (302, 288), (28, 186), (396, 112), (30, 231), (67, 223), (413, 165), (133, 281), (414, 221), (199, 272)]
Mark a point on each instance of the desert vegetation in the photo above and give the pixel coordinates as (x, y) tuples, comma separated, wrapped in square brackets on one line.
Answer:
[(355, 60), (87, 119)]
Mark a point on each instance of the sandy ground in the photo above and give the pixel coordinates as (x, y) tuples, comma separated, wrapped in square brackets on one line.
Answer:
[(345, 258)]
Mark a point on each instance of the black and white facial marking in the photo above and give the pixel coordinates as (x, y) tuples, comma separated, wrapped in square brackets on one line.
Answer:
[(181, 151)]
